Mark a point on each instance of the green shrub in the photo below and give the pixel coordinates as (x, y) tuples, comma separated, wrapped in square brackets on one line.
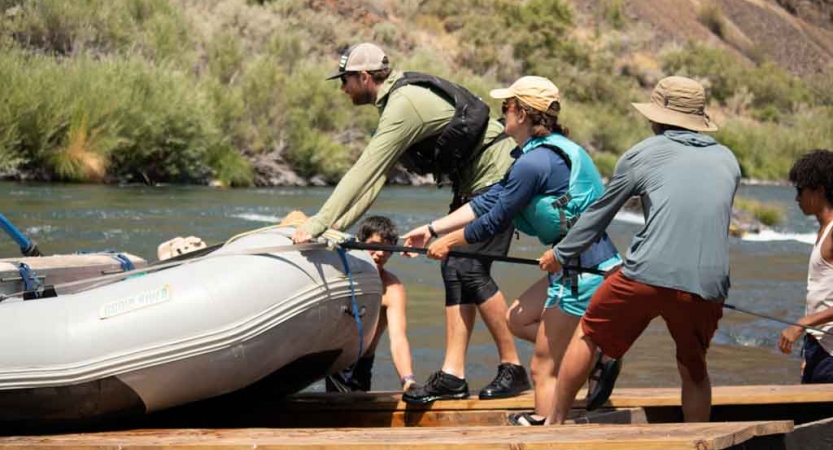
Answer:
[(74, 119), (767, 214), (820, 86), (613, 13), (225, 56), (154, 28), (606, 163), (767, 150), (603, 129), (725, 75), (230, 167)]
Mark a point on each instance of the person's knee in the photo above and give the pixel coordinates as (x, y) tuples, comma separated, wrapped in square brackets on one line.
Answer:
[(513, 319), (693, 372)]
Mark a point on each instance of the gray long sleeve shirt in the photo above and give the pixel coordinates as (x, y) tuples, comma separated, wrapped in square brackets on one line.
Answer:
[(687, 182)]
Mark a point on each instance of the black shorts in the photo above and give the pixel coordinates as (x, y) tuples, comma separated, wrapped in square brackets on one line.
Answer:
[(469, 281), (818, 364)]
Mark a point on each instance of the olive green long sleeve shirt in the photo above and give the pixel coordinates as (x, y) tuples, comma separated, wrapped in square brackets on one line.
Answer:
[(407, 116)]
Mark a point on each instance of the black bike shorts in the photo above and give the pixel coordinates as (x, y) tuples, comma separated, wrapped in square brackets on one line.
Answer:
[(469, 281)]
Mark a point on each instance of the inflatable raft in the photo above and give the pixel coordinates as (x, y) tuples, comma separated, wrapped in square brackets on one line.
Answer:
[(257, 311)]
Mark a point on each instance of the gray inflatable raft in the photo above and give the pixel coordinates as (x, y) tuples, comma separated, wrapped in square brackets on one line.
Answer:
[(210, 326)]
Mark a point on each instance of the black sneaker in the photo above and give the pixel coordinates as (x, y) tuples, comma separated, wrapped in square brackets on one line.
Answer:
[(440, 386), (510, 381)]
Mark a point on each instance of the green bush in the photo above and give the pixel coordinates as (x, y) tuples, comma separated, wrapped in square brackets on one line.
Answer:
[(613, 12), (74, 119), (767, 150), (767, 214), (604, 129), (606, 163), (154, 28), (225, 56), (186, 91), (820, 86), (725, 75)]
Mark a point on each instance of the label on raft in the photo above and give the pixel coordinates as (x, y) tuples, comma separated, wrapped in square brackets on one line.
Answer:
[(135, 302)]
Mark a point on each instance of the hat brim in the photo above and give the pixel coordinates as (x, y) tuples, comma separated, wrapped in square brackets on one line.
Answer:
[(501, 93), (338, 74), (658, 114)]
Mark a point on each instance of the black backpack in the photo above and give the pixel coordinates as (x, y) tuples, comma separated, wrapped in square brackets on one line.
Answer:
[(457, 145)]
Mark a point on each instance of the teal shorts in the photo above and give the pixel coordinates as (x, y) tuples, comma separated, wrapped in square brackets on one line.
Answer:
[(560, 293)]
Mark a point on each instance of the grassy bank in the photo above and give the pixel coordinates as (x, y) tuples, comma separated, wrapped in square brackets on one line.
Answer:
[(192, 91)]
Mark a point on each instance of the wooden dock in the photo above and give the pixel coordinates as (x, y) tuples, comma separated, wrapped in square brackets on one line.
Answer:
[(744, 417), (702, 436), (801, 403)]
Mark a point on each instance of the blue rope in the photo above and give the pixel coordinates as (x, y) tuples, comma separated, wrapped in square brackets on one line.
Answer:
[(30, 278), (342, 253)]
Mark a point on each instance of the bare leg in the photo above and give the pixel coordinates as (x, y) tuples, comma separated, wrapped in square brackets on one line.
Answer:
[(574, 370), (696, 397), (554, 335), (524, 315), (493, 311), (459, 322)]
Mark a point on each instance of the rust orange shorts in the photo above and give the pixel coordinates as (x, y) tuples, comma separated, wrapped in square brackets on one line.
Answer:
[(622, 308)]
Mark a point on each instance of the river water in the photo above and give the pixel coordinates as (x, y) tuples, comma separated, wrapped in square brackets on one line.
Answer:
[(768, 271)]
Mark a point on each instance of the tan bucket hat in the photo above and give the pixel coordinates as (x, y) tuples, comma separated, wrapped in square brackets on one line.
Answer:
[(361, 57), (537, 92), (678, 101)]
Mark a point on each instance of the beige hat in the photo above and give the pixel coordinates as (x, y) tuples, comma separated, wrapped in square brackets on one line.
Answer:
[(678, 101), (537, 92), (361, 57)]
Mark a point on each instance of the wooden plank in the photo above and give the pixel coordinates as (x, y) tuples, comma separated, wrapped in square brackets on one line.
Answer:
[(428, 418), (696, 436), (621, 398)]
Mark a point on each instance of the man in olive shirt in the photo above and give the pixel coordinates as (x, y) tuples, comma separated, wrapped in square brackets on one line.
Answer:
[(412, 116)]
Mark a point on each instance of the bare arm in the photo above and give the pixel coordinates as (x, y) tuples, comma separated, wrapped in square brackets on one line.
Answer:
[(421, 236), (396, 302), (791, 334)]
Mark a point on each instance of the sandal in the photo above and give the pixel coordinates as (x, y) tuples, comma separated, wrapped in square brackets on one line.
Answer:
[(525, 419), (604, 374)]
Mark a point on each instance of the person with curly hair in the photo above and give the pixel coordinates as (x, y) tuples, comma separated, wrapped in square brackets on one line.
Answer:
[(812, 176)]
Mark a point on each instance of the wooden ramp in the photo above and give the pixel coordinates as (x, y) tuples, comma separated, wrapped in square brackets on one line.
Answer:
[(621, 398), (803, 403), (701, 436)]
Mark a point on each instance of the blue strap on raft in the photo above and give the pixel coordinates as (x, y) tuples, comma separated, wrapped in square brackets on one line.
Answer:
[(30, 278), (125, 262), (342, 253)]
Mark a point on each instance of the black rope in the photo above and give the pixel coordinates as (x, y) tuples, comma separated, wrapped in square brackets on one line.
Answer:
[(462, 254), (774, 319), (534, 262)]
